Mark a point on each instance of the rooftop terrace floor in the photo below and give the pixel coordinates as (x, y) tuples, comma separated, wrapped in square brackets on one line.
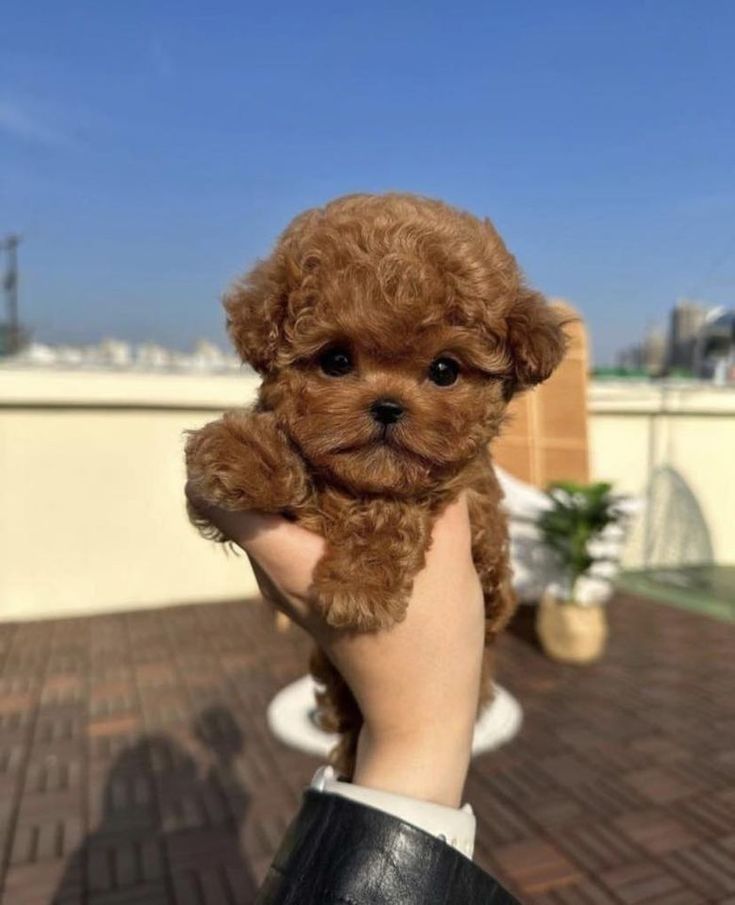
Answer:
[(136, 765)]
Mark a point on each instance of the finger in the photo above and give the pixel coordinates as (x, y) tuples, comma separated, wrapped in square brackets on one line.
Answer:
[(274, 596), (258, 533), (451, 533), (283, 548)]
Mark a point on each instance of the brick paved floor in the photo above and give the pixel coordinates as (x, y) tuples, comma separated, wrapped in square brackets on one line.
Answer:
[(136, 766)]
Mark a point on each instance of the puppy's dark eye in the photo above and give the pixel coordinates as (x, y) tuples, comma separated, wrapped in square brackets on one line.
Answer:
[(443, 371), (336, 362)]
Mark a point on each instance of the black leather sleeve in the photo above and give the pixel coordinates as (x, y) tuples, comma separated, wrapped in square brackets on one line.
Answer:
[(339, 851)]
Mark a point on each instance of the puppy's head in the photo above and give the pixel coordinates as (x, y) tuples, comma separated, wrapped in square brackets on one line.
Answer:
[(391, 332)]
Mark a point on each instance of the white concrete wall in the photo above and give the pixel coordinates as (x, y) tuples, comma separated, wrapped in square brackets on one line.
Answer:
[(91, 477)]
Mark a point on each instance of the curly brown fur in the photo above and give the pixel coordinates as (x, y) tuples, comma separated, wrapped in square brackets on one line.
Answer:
[(386, 286)]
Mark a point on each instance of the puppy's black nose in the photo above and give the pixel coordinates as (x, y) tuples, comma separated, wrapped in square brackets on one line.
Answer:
[(386, 411)]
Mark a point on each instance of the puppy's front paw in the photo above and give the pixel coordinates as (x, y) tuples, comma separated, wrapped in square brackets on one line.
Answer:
[(210, 465), (244, 462)]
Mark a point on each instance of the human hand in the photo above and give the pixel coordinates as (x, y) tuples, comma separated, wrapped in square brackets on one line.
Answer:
[(417, 683)]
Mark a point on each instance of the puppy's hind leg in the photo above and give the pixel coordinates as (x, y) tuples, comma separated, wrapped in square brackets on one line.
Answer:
[(491, 550), (337, 711), (491, 557)]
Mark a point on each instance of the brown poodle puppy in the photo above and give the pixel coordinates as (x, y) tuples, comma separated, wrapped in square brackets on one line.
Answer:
[(390, 331)]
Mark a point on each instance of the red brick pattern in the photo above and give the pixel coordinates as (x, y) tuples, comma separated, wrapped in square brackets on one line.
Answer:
[(136, 765)]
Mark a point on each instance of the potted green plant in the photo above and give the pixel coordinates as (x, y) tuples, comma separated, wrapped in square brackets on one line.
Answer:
[(570, 629)]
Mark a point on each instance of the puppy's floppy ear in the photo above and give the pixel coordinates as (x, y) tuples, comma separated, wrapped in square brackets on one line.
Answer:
[(256, 306), (536, 339)]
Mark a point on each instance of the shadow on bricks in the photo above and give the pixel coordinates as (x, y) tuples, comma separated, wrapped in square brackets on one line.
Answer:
[(170, 826)]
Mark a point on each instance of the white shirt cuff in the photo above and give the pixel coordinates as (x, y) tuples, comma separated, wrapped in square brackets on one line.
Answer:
[(455, 826)]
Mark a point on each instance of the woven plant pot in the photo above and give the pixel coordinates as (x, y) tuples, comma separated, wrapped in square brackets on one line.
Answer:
[(571, 633)]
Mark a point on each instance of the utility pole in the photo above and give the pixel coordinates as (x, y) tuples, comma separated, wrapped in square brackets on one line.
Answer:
[(10, 285)]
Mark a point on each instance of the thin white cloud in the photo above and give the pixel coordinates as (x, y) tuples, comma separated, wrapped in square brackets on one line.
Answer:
[(20, 123)]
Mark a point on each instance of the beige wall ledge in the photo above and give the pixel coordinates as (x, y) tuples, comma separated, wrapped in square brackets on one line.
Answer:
[(670, 398), (125, 389)]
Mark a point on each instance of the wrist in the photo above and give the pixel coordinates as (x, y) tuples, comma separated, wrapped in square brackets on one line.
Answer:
[(428, 766)]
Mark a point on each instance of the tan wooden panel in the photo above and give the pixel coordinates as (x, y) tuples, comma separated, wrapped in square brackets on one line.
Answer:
[(517, 419), (516, 459), (561, 409), (565, 465), (545, 437)]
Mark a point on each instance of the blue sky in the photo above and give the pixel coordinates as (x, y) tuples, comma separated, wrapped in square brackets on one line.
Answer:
[(150, 151)]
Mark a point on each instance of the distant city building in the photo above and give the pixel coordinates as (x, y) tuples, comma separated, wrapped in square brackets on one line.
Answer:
[(714, 356), (117, 355), (648, 356), (116, 352), (687, 319), (700, 342), (654, 353), (630, 358)]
